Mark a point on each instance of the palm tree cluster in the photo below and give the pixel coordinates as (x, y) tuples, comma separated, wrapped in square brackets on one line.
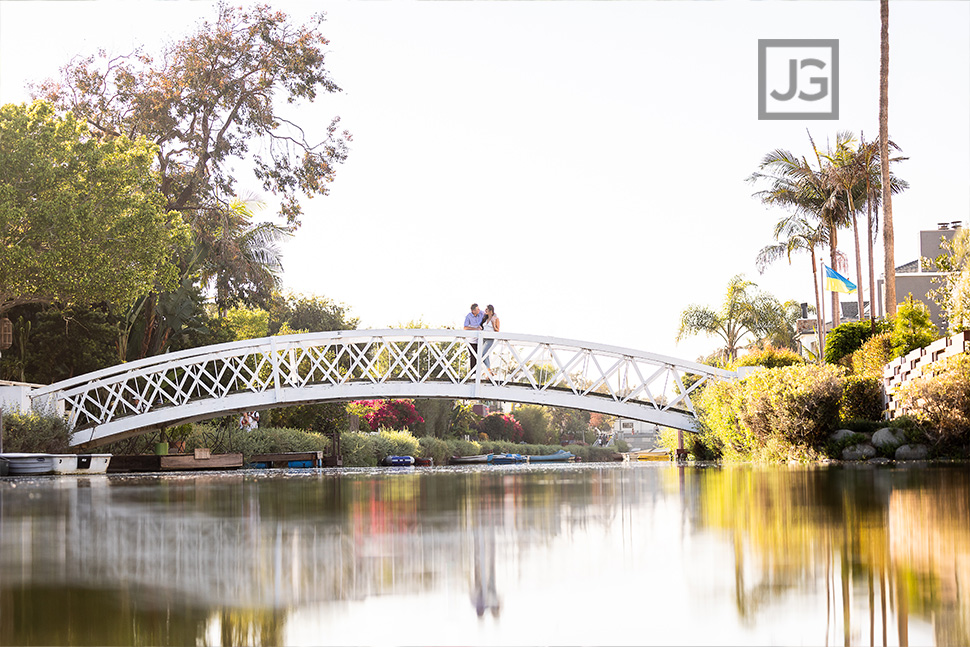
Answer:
[(746, 312), (822, 198)]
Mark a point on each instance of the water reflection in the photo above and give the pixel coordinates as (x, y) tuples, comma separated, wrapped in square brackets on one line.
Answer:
[(618, 554)]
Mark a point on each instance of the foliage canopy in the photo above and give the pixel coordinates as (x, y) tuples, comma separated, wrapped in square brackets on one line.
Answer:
[(81, 219)]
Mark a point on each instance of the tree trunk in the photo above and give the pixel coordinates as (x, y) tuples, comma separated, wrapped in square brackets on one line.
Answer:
[(833, 256), (872, 270), (887, 208), (819, 324), (858, 268)]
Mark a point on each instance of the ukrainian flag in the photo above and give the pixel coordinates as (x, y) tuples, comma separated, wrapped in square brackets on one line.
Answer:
[(835, 282)]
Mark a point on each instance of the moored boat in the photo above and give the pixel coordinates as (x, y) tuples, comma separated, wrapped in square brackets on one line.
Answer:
[(562, 456), (397, 461), (505, 459), (25, 464), (469, 460)]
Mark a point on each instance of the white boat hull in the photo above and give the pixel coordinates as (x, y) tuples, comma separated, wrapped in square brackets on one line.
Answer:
[(26, 464)]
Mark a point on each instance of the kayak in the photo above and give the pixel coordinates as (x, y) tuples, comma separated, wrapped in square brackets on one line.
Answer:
[(561, 456), (506, 459)]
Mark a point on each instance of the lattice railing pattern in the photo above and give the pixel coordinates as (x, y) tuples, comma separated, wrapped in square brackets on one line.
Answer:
[(263, 373)]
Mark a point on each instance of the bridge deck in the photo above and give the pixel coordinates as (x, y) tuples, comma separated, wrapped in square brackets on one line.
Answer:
[(202, 383)]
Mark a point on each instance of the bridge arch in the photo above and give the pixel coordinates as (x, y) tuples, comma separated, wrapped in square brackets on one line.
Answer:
[(257, 374)]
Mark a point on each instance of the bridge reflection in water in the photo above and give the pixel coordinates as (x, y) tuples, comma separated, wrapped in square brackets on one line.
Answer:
[(473, 556)]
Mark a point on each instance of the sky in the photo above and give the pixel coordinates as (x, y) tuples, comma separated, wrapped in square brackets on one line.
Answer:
[(580, 165)]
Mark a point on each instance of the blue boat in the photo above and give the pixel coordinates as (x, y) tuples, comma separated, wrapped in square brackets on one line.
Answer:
[(397, 461), (562, 456), (505, 459)]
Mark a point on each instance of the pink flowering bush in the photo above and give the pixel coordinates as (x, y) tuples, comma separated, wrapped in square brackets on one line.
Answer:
[(387, 414)]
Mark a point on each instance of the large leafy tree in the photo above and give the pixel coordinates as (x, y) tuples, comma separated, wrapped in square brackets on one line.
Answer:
[(213, 104), (81, 219), (745, 312), (210, 102)]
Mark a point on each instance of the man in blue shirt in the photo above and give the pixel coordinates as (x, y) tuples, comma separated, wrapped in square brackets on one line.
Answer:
[(473, 321)]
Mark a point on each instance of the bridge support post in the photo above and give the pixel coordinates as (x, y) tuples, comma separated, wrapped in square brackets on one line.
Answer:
[(681, 452)]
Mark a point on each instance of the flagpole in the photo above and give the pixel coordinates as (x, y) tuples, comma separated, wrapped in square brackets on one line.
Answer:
[(821, 323)]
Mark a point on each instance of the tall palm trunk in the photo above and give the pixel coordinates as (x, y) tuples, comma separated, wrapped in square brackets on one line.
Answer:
[(887, 208), (872, 270), (818, 309), (858, 266), (833, 258)]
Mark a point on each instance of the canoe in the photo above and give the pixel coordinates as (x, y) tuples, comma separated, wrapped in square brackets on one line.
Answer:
[(423, 462), (506, 459), (561, 456), (469, 460), (397, 461)]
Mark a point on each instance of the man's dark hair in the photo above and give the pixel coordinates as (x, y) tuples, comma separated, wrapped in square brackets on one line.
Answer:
[(474, 305)]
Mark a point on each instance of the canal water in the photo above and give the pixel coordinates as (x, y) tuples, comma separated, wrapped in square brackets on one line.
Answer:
[(617, 554)]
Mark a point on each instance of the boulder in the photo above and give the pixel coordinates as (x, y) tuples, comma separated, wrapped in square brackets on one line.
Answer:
[(839, 434), (887, 437), (859, 452), (912, 453)]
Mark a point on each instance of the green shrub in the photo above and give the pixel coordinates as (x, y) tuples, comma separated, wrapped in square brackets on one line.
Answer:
[(862, 398), (845, 339), (435, 448), (799, 404), (939, 399), (461, 447), (358, 449), (771, 357), (395, 443), (913, 327), (871, 358), (780, 414), (32, 432), (718, 410)]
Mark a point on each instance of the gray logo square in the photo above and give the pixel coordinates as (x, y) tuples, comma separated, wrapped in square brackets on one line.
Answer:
[(798, 79)]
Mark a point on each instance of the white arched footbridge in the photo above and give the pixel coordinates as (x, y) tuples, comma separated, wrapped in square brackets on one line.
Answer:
[(201, 383)]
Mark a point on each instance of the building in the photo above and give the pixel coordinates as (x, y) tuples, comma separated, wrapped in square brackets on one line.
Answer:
[(913, 278), (638, 435)]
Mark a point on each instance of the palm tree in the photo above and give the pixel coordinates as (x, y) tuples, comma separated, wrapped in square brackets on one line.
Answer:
[(848, 177), (239, 259), (867, 158), (887, 209), (793, 234), (793, 183), (742, 313)]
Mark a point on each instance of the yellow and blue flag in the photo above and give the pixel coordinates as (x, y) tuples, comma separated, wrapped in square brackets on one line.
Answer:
[(835, 282)]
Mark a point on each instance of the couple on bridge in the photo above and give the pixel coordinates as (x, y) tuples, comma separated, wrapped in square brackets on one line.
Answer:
[(478, 320)]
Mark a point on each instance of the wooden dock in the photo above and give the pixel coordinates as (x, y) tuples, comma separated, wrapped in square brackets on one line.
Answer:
[(286, 459), (201, 459)]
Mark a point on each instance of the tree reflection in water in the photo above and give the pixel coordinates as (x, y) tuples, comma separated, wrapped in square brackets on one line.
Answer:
[(234, 558), (906, 528)]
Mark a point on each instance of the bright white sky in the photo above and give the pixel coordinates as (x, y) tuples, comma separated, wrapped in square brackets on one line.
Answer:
[(579, 165)]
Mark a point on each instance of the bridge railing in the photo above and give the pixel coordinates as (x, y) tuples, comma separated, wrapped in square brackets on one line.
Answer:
[(357, 364)]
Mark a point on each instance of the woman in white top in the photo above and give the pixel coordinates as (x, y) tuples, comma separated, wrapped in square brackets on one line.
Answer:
[(491, 323)]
